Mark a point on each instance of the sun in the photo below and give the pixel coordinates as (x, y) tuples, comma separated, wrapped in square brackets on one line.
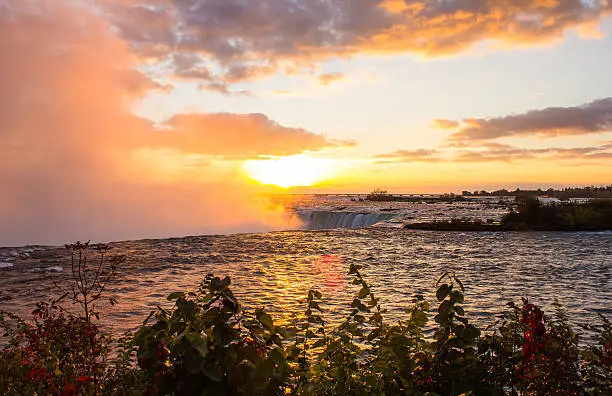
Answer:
[(291, 171)]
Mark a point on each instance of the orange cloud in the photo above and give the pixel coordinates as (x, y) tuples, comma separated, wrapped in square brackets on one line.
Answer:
[(444, 124), (245, 135)]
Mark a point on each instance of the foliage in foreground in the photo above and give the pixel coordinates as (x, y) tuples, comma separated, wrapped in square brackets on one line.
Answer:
[(208, 344)]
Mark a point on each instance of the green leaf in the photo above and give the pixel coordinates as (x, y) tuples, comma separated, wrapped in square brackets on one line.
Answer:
[(443, 291), (360, 318), (198, 343), (193, 363), (441, 318), (418, 318), (226, 282), (186, 307), (458, 296), (373, 334), (315, 319), (293, 352), (175, 296), (211, 315), (214, 372), (265, 369), (264, 319), (376, 317), (471, 332), (354, 269), (315, 305), (290, 331), (278, 356), (365, 291), (216, 284), (319, 343), (357, 304), (445, 307)]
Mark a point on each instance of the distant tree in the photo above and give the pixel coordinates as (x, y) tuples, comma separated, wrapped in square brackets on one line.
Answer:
[(379, 194)]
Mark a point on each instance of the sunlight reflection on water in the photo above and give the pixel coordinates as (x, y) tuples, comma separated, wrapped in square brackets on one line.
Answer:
[(276, 270)]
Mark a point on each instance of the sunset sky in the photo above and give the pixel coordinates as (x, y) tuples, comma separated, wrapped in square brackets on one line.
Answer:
[(129, 118)]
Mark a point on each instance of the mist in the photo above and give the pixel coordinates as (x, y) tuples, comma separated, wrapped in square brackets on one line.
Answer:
[(70, 147)]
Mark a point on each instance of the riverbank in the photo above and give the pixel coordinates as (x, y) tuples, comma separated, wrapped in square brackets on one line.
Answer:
[(530, 214)]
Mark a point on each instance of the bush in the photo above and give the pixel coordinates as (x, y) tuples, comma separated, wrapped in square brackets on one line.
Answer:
[(209, 345), (58, 352), (52, 354)]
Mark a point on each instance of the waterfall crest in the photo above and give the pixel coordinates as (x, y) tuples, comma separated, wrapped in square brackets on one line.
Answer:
[(325, 220)]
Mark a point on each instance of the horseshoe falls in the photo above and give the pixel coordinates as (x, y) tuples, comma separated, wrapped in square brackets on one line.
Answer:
[(328, 220)]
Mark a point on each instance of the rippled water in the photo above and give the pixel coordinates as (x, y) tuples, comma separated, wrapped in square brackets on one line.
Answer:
[(275, 270)]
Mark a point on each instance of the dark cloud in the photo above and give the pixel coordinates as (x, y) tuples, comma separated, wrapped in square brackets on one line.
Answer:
[(593, 117), (246, 39)]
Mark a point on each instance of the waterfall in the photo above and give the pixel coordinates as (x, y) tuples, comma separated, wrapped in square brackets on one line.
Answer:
[(325, 220)]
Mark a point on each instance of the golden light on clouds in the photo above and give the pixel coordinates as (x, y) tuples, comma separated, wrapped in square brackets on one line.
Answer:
[(290, 171)]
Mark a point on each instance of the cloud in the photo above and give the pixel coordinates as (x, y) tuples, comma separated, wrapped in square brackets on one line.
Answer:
[(590, 118), (245, 135), (507, 153), (75, 163), (497, 152), (224, 89), (243, 40), (441, 123), (419, 155), (328, 78)]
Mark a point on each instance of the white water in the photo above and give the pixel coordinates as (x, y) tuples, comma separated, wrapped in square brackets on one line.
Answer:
[(327, 220)]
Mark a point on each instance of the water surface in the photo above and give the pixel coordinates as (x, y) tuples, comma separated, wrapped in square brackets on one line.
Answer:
[(275, 270)]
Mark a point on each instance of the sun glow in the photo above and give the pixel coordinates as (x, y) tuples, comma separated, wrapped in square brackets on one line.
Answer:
[(292, 171)]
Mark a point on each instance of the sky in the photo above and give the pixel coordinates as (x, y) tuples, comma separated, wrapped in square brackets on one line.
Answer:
[(149, 118)]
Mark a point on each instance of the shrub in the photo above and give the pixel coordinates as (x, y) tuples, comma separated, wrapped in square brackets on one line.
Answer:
[(208, 345), (53, 354), (57, 352)]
